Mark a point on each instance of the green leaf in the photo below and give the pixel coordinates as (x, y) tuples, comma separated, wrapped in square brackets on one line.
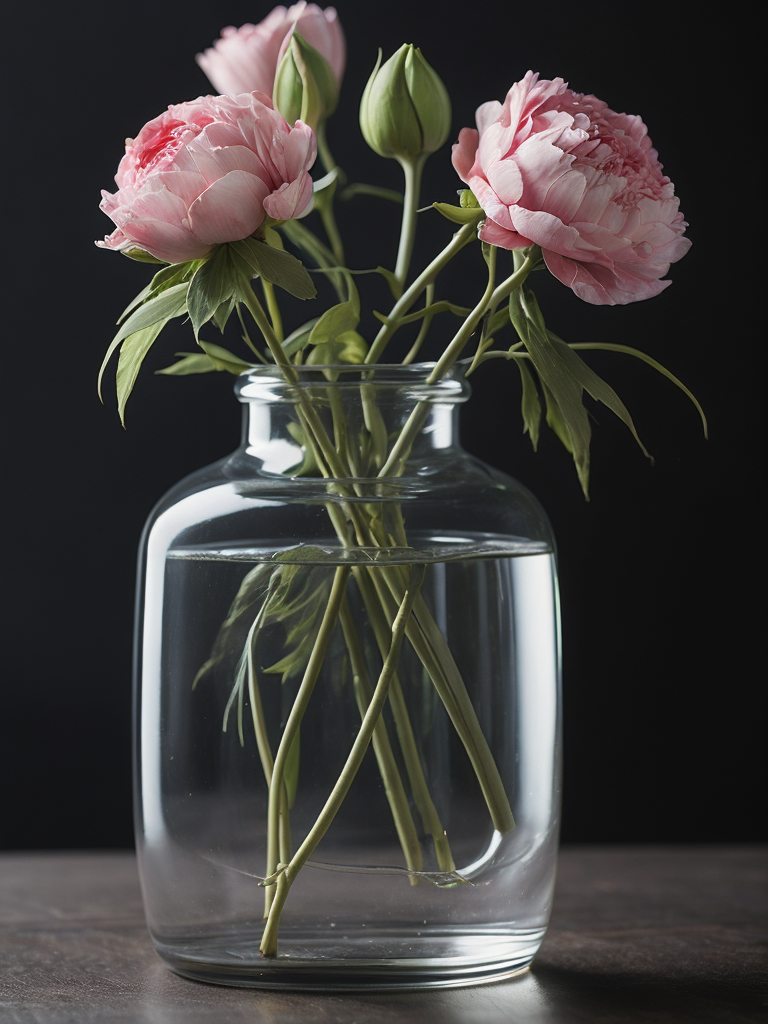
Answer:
[(276, 266), (163, 279), (338, 319), (213, 357), (460, 214), (189, 362), (349, 347), (594, 385), (565, 410), (530, 404), (223, 359), (132, 353), (213, 284), (299, 338), (224, 312), (157, 310), (627, 350)]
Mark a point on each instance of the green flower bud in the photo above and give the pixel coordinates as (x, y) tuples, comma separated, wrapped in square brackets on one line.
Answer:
[(305, 86), (405, 111)]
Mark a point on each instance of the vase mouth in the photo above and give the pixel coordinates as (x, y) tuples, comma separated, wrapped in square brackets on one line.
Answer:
[(268, 383)]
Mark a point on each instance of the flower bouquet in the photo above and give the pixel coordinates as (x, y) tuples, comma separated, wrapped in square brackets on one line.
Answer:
[(347, 640)]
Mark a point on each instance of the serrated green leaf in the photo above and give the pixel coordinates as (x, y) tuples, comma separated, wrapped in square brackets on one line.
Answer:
[(530, 404), (276, 266), (132, 352), (459, 214), (159, 309)]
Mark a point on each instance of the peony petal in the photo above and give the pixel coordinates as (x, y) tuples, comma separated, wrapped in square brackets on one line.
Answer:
[(230, 209), (291, 199)]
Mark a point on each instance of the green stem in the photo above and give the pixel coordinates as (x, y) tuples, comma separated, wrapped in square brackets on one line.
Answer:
[(390, 776), (300, 704), (378, 611), (461, 238), (274, 310), (425, 325), (265, 752), (412, 171), (488, 303), (348, 772)]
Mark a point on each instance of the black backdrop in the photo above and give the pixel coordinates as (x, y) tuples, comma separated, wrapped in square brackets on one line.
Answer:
[(661, 571)]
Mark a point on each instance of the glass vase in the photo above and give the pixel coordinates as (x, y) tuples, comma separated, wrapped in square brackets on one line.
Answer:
[(347, 753)]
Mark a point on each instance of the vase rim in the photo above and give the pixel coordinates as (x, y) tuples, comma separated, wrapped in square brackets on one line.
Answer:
[(268, 382)]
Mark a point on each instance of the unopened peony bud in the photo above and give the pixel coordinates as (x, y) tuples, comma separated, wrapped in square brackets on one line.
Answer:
[(305, 86), (405, 111)]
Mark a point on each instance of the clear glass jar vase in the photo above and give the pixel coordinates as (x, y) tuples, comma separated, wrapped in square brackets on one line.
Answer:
[(347, 697)]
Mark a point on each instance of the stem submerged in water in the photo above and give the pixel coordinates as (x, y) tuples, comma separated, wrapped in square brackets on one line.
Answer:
[(284, 874)]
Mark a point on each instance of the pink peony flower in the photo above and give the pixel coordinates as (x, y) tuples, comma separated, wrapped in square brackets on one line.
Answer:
[(246, 58), (207, 172), (559, 169)]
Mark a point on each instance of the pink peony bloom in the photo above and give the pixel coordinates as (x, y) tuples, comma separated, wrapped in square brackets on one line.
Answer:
[(207, 172), (559, 169), (246, 58)]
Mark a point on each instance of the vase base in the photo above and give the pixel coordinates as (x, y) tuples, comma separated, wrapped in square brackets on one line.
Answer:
[(357, 961)]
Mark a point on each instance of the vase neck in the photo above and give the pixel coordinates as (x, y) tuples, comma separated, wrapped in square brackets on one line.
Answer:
[(358, 413)]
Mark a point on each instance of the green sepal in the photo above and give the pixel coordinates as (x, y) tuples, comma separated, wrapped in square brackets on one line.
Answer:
[(459, 214), (141, 256)]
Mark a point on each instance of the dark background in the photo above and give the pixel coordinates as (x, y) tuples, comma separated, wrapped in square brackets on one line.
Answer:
[(661, 571)]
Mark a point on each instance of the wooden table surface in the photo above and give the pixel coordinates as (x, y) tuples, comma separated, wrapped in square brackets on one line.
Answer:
[(669, 935)]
